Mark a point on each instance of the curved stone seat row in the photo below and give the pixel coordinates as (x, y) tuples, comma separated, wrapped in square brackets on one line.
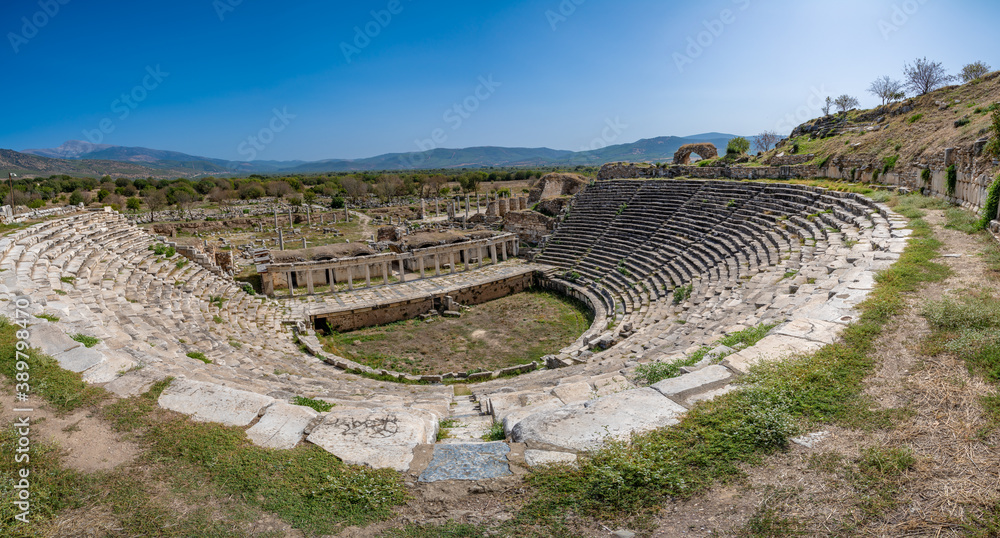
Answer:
[(95, 272), (797, 257)]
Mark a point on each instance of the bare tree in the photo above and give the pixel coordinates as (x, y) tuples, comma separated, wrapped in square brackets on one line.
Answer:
[(354, 188), (846, 102), (925, 76), (156, 201), (827, 106), (887, 89), (974, 71), (387, 187), (765, 140)]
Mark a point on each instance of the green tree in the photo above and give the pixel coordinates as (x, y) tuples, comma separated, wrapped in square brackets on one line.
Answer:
[(974, 71), (76, 198), (738, 146), (133, 204)]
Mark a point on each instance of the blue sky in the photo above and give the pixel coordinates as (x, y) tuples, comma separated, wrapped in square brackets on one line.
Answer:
[(243, 79)]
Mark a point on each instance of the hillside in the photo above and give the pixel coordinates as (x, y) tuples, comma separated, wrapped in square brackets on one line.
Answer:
[(24, 164), (72, 158), (915, 132)]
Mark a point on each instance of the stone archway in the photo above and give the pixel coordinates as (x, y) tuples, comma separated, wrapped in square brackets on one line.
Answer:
[(705, 151)]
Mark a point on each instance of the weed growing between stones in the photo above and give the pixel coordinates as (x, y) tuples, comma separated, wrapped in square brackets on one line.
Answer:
[(495, 433), (318, 405), (624, 479)]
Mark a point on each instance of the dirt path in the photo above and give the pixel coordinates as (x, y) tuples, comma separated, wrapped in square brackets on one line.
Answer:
[(955, 469)]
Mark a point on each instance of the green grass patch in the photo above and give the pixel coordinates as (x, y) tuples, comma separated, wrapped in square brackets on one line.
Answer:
[(682, 293), (87, 341), (199, 356), (318, 405), (67, 279), (914, 118), (962, 220), (63, 389), (218, 319), (879, 478), (444, 427), (306, 486), (48, 317)]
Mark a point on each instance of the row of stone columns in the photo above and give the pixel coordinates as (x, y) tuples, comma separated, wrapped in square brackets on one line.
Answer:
[(397, 266)]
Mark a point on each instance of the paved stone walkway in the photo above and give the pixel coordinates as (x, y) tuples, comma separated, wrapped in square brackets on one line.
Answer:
[(476, 461)]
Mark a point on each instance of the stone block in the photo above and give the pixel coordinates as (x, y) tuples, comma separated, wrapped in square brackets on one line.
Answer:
[(534, 458), (50, 339), (281, 426), (680, 388), (574, 392), (584, 427), (774, 347), (816, 330), (209, 402), (380, 438)]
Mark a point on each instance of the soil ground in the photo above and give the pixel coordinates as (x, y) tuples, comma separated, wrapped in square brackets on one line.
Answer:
[(512, 330)]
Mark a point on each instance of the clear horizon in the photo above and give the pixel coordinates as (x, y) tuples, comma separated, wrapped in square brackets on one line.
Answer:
[(242, 81)]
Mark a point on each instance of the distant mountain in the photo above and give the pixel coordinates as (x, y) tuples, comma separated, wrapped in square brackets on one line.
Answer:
[(25, 164), (72, 149), (161, 163)]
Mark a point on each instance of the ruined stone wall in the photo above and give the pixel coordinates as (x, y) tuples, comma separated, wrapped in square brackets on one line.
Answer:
[(645, 171), (529, 226), (358, 318)]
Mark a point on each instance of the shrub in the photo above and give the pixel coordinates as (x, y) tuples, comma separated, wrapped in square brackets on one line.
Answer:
[(992, 204), (993, 147), (952, 180), (889, 163), (337, 202), (914, 118), (925, 176), (738, 146)]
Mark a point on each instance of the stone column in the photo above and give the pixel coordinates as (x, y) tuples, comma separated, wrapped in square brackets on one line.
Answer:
[(477, 204), (479, 252), (503, 250), (347, 215), (402, 271), (276, 218), (451, 260), (516, 245), (467, 203), (437, 207), (303, 242), (493, 253), (368, 275), (309, 219), (309, 282), (420, 264), (291, 222), (350, 277), (468, 258), (291, 288), (437, 265), (385, 273), (281, 240)]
